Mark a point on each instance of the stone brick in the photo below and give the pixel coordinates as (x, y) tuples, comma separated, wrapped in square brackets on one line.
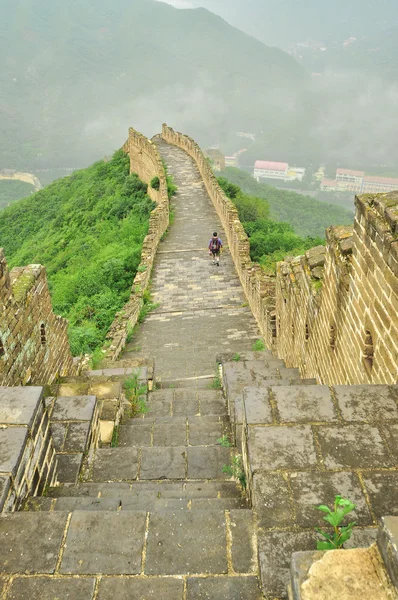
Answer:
[(150, 587), (273, 448), (46, 588)]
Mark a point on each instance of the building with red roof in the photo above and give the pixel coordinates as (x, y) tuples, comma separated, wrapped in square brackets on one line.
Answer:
[(267, 169), (379, 184)]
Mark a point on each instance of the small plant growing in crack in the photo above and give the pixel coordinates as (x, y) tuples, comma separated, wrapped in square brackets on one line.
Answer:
[(259, 346), (236, 357), (236, 470), (341, 534), (135, 393), (115, 437), (224, 441), (216, 384)]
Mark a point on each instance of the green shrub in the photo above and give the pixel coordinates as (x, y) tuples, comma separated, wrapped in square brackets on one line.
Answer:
[(155, 183)]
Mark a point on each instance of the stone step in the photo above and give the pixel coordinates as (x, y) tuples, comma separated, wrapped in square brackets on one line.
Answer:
[(173, 431), (163, 489), (157, 463), (387, 541), (246, 355), (207, 542), (185, 402), (128, 588), (128, 501)]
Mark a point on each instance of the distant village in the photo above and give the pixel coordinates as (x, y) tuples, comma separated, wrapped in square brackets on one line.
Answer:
[(346, 180)]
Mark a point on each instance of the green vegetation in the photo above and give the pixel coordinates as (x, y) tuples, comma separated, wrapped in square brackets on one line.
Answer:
[(155, 183), (87, 229), (115, 437), (135, 393), (11, 190), (224, 441), (236, 357), (216, 383), (306, 216), (258, 346), (270, 241), (335, 517), (236, 470)]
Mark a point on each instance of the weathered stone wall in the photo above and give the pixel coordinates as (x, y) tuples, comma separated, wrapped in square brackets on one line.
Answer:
[(34, 346), (146, 162), (258, 287), (337, 312)]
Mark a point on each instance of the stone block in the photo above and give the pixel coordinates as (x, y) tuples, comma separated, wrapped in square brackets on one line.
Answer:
[(170, 431), (382, 489), (304, 403), (13, 441), (272, 501), (48, 588), (353, 447), (243, 552), (105, 390), (273, 448), (224, 588), (73, 408), (58, 433), (155, 588), (208, 462), (391, 434), (108, 543), (367, 402), (135, 435), (163, 463), (387, 541), (69, 466), (30, 541), (115, 464), (77, 437), (257, 405), (205, 433), (5, 483), (19, 405), (312, 489), (275, 551), (187, 542), (73, 389)]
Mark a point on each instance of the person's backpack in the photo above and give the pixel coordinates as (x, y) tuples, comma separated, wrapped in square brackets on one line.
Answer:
[(215, 245)]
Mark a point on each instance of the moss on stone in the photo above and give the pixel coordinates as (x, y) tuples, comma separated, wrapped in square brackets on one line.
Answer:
[(22, 285)]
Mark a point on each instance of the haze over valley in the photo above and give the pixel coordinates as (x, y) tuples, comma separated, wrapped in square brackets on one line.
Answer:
[(75, 77)]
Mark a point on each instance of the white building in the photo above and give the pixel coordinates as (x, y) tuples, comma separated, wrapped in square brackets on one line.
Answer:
[(266, 169)]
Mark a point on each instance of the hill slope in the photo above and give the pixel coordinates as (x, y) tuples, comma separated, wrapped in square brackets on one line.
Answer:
[(290, 21), (76, 75), (87, 229), (13, 190), (307, 216)]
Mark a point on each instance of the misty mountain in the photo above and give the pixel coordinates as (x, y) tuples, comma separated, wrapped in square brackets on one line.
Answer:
[(287, 22), (76, 75)]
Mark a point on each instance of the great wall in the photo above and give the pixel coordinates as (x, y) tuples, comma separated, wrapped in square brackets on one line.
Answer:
[(96, 504)]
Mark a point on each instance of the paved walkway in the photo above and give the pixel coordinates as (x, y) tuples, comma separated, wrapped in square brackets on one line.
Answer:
[(202, 308)]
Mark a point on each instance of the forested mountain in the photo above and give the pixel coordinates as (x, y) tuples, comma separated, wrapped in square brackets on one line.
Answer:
[(87, 229), (76, 74), (285, 22)]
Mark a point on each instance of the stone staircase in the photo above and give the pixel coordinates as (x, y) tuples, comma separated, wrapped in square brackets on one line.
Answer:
[(153, 517)]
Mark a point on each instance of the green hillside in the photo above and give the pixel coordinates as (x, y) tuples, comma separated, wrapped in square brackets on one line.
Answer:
[(307, 216), (87, 229), (13, 190), (270, 241), (76, 75)]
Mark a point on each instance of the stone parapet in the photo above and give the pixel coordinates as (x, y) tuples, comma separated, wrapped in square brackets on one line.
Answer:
[(34, 346), (146, 162), (258, 287), (27, 455), (337, 321)]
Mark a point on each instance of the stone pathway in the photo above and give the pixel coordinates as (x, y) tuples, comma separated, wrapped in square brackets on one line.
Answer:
[(202, 310)]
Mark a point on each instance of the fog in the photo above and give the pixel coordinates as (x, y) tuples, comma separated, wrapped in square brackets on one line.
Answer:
[(144, 63)]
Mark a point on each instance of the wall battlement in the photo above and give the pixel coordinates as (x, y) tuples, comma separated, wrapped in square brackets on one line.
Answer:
[(341, 325), (331, 313), (34, 346), (146, 162)]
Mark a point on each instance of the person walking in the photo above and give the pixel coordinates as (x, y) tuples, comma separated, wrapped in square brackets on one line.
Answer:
[(215, 246)]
